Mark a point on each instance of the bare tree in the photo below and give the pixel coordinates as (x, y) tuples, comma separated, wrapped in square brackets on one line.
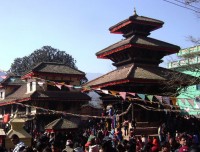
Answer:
[(191, 1), (189, 63), (195, 41), (196, 5)]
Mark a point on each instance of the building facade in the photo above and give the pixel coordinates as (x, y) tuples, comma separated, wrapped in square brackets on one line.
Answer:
[(46, 92), (189, 63)]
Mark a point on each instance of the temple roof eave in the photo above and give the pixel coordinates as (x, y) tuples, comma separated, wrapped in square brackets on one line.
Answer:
[(133, 74), (139, 42), (21, 96), (35, 74), (53, 68), (135, 19), (123, 81)]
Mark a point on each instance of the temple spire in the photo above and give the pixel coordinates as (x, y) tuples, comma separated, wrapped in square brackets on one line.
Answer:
[(135, 13)]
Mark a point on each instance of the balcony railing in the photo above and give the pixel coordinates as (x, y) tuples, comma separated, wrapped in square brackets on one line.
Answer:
[(184, 62), (189, 51)]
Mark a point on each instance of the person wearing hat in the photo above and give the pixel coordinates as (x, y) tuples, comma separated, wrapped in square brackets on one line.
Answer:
[(69, 146)]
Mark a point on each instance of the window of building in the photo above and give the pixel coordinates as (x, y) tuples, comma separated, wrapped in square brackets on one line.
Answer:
[(31, 86), (198, 86), (1, 94)]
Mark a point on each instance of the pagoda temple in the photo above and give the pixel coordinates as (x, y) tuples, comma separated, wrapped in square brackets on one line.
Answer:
[(137, 58)]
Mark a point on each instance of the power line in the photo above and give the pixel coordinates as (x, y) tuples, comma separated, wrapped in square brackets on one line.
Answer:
[(196, 11), (187, 4)]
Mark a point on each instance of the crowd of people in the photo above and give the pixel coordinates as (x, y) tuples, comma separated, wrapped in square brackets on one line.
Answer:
[(98, 138), (175, 134)]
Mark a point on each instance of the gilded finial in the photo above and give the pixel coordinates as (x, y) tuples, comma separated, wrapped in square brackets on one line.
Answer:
[(135, 13)]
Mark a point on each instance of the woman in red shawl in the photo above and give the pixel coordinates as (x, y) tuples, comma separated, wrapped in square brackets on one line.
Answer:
[(155, 147)]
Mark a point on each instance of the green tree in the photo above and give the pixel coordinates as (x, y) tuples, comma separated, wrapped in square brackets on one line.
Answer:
[(44, 54)]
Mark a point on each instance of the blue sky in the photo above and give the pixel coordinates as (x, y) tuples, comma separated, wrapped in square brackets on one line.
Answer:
[(80, 27)]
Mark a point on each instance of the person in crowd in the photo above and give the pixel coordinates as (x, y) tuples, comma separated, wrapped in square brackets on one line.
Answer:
[(55, 147), (173, 144), (105, 132), (52, 138), (110, 111), (165, 147), (161, 132), (147, 147), (138, 144), (125, 125), (183, 141), (133, 124), (131, 145), (19, 145), (69, 146), (107, 145), (119, 134), (144, 140), (94, 147), (78, 147), (155, 147), (168, 136)]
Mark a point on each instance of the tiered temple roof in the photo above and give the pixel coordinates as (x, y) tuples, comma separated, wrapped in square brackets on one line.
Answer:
[(137, 59)]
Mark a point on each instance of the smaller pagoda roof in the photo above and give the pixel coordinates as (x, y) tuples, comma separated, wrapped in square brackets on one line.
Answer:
[(141, 42), (54, 68), (62, 95), (61, 124), (20, 95), (135, 19), (12, 80)]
